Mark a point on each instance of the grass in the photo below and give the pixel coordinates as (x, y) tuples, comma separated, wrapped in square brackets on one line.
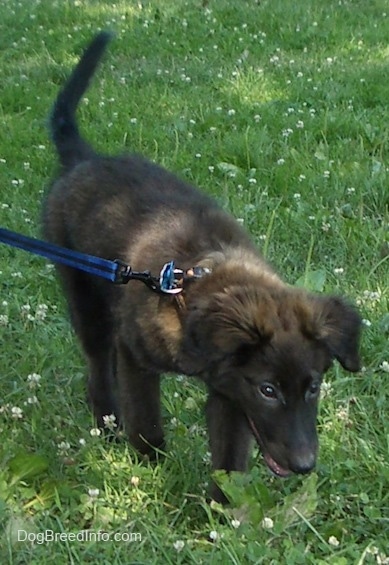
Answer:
[(279, 109)]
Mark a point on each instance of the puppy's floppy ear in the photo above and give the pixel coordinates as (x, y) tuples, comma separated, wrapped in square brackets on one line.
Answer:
[(196, 352), (338, 325), (220, 324)]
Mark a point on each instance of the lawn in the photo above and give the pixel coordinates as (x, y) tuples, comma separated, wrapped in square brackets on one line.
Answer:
[(279, 110)]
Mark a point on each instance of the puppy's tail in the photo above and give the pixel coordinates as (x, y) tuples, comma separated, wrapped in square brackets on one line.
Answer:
[(64, 131)]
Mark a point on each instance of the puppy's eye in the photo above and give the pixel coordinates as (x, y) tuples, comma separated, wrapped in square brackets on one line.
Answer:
[(268, 391), (313, 389)]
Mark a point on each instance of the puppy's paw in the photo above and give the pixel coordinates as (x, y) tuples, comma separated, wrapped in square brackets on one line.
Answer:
[(151, 449), (217, 495)]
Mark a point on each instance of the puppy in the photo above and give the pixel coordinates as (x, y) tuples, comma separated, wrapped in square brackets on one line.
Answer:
[(260, 346)]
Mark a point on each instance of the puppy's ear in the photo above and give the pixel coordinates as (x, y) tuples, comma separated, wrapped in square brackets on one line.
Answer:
[(219, 325), (338, 325)]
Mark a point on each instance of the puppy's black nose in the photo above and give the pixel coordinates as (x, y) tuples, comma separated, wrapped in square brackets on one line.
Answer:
[(303, 464)]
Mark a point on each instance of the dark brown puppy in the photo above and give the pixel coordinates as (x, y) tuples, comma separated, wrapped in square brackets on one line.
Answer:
[(260, 346)]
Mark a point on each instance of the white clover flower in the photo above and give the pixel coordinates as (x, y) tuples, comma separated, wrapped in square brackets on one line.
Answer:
[(338, 271), (371, 295), (93, 492), (325, 389), (385, 366), (64, 446), (213, 535), (179, 545), (267, 523), (41, 312), (342, 414), (235, 523), (332, 540), (95, 432), (16, 412), (4, 320), (109, 421), (135, 480), (33, 380)]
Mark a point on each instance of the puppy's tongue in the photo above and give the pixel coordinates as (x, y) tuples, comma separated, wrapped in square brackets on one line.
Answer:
[(275, 467)]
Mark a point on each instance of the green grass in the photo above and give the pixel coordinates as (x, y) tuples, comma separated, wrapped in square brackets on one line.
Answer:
[(280, 110)]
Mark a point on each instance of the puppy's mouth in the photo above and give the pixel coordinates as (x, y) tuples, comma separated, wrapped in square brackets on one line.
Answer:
[(274, 467)]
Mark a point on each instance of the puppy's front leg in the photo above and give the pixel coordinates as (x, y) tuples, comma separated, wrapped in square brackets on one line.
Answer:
[(101, 384), (139, 400), (230, 438)]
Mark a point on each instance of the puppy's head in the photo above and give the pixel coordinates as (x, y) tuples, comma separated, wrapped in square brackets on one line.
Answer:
[(267, 351)]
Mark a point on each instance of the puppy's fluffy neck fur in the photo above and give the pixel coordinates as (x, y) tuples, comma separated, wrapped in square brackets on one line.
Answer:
[(233, 267)]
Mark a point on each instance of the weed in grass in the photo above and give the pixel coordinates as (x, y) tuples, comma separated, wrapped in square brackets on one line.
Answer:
[(279, 110)]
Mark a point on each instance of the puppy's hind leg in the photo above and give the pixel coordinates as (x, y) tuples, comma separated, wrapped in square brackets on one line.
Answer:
[(140, 403), (230, 438), (92, 322)]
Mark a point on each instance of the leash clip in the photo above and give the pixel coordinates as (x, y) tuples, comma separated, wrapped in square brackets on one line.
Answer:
[(170, 280), (124, 273), (166, 283)]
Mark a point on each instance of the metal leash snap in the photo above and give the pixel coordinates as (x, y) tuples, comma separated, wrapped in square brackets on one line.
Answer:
[(171, 279)]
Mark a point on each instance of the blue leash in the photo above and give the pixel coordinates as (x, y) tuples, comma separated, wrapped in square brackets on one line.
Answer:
[(169, 281)]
